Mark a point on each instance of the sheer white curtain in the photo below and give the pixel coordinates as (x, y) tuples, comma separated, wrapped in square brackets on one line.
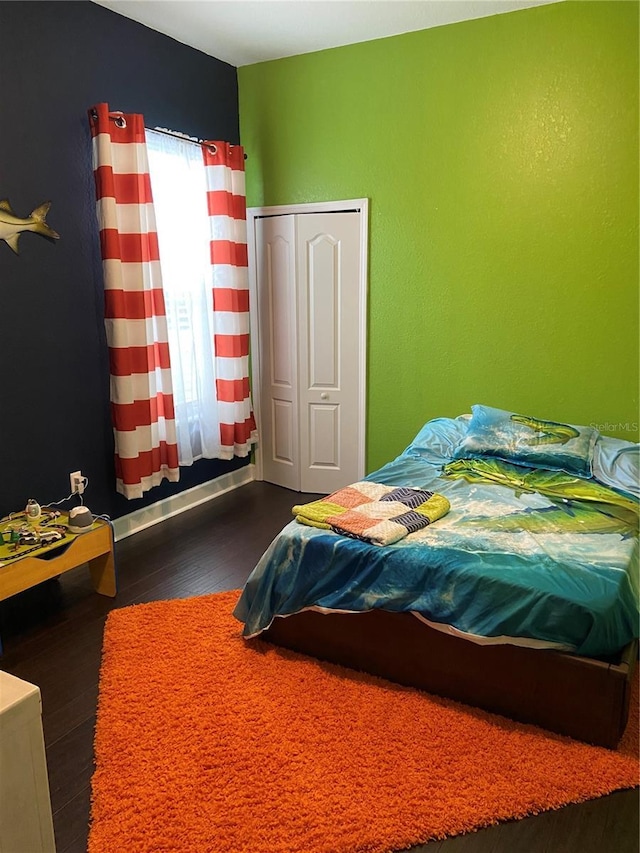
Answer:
[(179, 187)]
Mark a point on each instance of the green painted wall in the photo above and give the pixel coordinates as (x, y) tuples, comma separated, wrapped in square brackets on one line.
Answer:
[(501, 159)]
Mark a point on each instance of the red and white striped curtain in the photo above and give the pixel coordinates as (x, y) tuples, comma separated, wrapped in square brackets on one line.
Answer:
[(224, 167), (141, 389)]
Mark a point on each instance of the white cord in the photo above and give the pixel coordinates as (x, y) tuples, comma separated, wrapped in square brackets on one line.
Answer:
[(68, 497)]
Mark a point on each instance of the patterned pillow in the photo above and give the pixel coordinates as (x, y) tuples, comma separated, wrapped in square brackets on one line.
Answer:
[(529, 441)]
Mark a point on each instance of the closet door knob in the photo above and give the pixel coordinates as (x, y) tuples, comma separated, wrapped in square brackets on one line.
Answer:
[(324, 396)]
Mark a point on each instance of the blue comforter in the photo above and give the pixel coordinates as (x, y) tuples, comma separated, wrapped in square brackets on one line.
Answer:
[(507, 561)]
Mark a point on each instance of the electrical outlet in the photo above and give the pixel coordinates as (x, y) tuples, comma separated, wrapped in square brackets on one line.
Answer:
[(76, 481)]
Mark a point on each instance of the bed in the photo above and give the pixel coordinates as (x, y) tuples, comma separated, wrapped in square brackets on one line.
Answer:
[(522, 599)]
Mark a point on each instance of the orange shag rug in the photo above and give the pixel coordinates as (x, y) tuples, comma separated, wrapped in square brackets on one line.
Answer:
[(207, 743)]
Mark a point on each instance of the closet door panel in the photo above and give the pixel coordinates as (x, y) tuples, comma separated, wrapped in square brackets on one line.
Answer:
[(328, 247), (276, 287), (323, 265), (324, 436)]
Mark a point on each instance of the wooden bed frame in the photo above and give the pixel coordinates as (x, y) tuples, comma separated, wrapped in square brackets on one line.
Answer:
[(585, 698)]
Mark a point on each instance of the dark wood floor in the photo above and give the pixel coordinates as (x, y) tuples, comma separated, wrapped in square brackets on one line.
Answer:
[(53, 634)]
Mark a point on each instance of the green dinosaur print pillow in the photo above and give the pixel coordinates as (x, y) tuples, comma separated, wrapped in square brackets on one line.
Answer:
[(529, 441)]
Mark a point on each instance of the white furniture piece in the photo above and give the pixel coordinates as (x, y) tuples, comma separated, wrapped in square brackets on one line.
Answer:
[(26, 823)]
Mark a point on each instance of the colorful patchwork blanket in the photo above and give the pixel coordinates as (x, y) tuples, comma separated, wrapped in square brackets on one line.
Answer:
[(374, 513)]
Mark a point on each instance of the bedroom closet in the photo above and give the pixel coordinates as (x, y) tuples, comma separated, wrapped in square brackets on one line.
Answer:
[(308, 283)]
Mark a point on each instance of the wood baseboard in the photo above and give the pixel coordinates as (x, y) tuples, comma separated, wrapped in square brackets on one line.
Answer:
[(139, 520)]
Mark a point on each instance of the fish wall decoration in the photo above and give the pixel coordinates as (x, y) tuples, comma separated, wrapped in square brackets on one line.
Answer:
[(11, 226)]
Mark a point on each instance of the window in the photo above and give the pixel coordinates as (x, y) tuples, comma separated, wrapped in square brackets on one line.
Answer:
[(179, 188)]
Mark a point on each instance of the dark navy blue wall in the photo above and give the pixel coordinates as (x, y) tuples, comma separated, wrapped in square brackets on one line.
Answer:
[(57, 60)]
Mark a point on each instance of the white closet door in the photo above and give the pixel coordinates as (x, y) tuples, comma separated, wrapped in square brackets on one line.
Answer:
[(309, 330), (328, 251), (275, 274)]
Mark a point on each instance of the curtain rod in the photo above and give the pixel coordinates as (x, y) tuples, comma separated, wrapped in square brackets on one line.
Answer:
[(177, 135), (120, 120)]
